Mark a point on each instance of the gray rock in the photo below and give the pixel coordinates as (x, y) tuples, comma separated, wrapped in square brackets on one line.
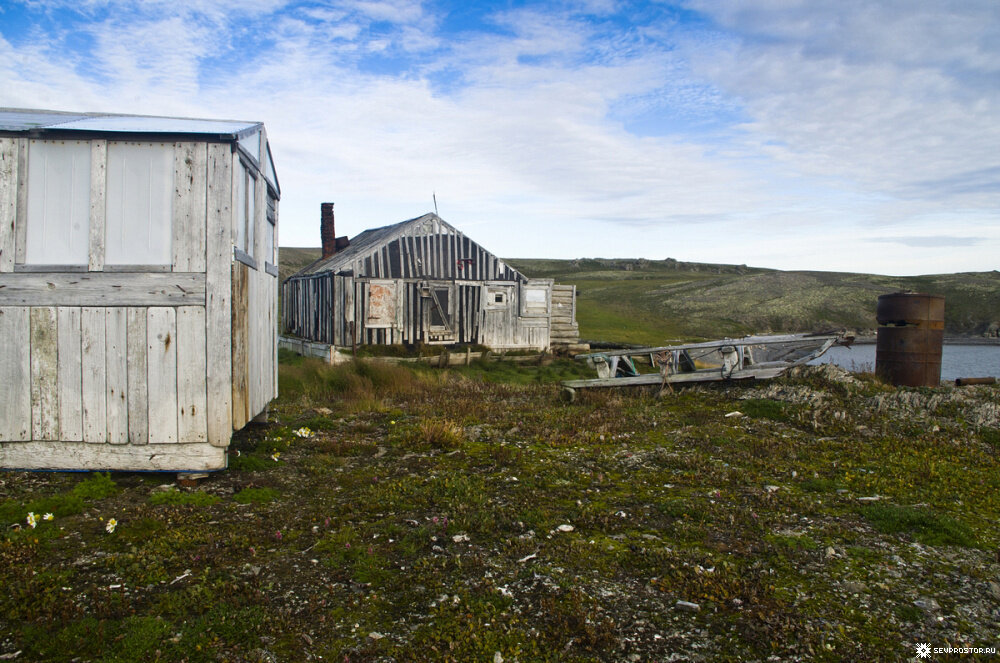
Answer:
[(856, 587), (687, 606)]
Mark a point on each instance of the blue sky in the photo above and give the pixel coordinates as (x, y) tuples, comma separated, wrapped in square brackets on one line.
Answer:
[(857, 135)]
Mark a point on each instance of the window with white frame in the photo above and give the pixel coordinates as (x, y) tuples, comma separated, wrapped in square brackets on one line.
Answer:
[(58, 213), (140, 188)]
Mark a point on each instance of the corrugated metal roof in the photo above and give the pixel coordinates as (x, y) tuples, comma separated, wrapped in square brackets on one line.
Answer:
[(15, 119)]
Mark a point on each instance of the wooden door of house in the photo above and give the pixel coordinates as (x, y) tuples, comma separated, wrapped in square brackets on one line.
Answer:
[(439, 313), (499, 315)]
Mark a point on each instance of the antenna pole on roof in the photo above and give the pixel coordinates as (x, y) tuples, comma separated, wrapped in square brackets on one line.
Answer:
[(434, 196)]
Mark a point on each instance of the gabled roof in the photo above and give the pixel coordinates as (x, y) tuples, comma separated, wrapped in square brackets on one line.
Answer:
[(365, 242), (47, 123)]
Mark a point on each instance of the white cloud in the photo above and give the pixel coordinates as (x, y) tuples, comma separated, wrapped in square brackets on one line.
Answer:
[(893, 95), (851, 127)]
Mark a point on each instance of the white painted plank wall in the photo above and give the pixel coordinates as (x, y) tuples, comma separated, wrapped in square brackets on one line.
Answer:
[(15, 374), (102, 289), (191, 385), (44, 374), (161, 362), (116, 380), (190, 196), (20, 227), (70, 374), (218, 288), (98, 206), (138, 396), (95, 396), (8, 202)]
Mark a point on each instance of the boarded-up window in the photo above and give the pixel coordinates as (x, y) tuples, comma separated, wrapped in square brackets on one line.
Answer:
[(269, 253), (381, 305), (58, 221), (139, 203), (246, 198), (535, 301)]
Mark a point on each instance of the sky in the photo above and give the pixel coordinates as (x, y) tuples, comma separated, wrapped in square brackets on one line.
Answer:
[(841, 135)]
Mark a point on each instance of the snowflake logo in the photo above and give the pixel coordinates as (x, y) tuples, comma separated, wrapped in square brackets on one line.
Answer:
[(923, 650)]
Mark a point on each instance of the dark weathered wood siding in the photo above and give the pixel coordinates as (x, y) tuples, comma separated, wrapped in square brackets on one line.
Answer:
[(436, 278)]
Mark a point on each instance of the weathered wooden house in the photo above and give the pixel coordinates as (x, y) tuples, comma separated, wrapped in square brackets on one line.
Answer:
[(138, 289), (422, 282)]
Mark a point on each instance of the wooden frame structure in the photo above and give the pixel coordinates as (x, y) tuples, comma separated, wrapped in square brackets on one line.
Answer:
[(138, 289), (746, 358)]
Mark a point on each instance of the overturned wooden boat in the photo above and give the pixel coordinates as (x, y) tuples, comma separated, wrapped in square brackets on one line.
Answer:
[(746, 358)]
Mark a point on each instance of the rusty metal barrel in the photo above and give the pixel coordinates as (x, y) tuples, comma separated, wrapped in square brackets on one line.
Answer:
[(909, 340)]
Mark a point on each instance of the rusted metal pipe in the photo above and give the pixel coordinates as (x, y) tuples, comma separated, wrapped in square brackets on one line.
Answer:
[(962, 382)]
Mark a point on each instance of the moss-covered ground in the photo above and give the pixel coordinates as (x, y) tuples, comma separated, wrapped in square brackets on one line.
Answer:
[(388, 513)]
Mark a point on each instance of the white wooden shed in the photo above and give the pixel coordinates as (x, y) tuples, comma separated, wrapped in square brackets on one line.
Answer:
[(138, 289)]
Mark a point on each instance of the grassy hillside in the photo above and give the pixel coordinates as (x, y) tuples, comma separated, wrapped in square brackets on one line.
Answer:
[(292, 259), (655, 301), (647, 301)]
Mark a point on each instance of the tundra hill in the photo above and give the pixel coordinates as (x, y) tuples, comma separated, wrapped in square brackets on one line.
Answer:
[(656, 301), (651, 302), (291, 259)]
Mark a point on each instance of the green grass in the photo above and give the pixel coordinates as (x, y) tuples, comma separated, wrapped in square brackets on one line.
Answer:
[(256, 495), (448, 514), (923, 524)]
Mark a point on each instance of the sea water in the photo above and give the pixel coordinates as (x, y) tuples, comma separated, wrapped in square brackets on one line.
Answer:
[(957, 361)]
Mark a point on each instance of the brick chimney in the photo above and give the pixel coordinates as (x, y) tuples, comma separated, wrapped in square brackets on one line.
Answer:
[(327, 233)]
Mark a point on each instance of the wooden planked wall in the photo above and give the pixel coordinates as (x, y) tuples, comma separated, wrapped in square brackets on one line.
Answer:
[(255, 338), (104, 375)]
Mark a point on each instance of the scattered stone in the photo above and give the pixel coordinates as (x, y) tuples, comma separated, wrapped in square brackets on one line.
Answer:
[(261, 655), (497, 658), (734, 413), (830, 552), (375, 635), (460, 538), (771, 489), (687, 606), (927, 604), (856, 587), (873, 498), (565, 528)]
